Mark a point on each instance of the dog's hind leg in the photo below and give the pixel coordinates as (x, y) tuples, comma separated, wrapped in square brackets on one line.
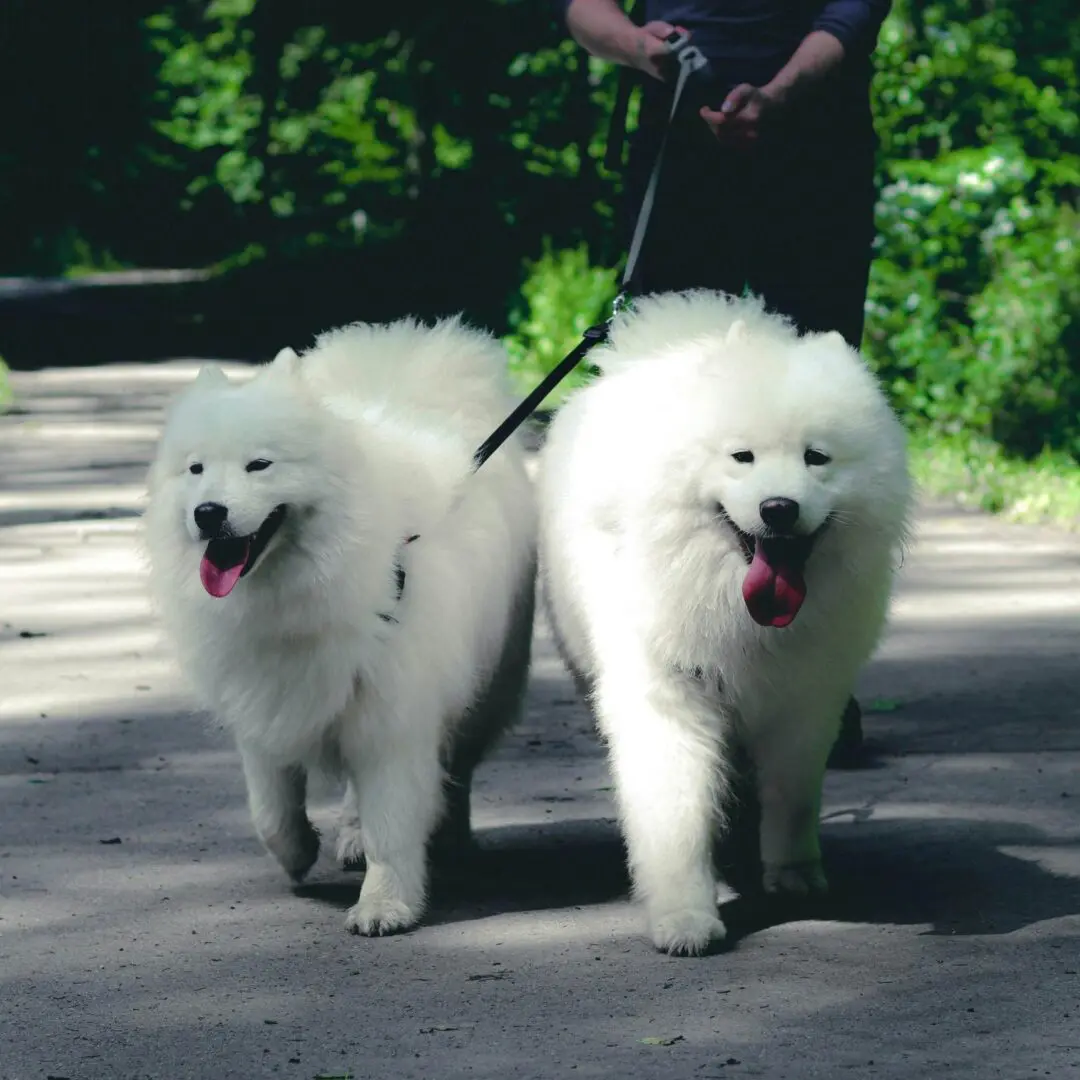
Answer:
[(452, 840), (790, 756), (350, 843), (496, 708), (277, 798)]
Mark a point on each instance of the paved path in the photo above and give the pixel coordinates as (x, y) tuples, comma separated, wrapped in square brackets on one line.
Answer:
[(144, 934)]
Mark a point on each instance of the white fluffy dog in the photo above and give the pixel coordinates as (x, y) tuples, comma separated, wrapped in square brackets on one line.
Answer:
[(721, 517), (280, 533)]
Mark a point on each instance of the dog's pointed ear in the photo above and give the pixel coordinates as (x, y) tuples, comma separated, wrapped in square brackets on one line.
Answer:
[(834, 337), (737, 332), (210, 375), (287, 362)]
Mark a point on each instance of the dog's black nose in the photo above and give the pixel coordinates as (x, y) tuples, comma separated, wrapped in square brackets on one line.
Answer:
[(209, 517), (779, 514)]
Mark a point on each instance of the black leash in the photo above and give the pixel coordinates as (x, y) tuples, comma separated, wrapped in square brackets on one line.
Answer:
[(593, 336), (691, 63)]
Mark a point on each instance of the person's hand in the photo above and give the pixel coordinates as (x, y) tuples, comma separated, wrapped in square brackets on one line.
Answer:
[(746, 112), (649, 52)]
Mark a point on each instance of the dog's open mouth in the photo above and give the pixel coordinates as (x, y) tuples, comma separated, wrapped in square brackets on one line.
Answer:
[(775, 586), (228, 558)]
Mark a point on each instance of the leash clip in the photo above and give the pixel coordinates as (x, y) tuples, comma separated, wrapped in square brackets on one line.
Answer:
[(690, 57)]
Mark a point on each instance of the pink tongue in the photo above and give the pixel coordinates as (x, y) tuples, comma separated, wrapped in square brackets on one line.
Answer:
[(219, 580), (773, 588)]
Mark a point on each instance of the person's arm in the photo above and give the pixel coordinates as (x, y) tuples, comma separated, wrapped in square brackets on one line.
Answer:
[(854, 23), (819, 54), (842, 28), (602, 28)]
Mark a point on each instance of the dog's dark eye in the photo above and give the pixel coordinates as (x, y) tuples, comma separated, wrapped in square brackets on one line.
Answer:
[(816, 457), (258, 465), (195, 468), (744, 457)]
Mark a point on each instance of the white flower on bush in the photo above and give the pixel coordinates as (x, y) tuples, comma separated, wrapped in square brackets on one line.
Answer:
[(920, 192), (1002, 225), (974, 183)]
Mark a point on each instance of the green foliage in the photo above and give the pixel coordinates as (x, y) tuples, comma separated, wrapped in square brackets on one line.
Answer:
[(81, 259), (6, 396), (562, 296), (304, 118), (272, 114), (441, 157), (974, 305), (978, 473), (975, 294)]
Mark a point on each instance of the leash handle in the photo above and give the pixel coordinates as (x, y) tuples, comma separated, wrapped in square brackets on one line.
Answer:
[(691, 62), (688, 55)]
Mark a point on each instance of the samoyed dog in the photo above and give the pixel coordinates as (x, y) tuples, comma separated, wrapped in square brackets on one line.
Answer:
[(344, 594), (721, 517)]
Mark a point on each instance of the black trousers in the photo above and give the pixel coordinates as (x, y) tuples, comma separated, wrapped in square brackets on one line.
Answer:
[(791, 219)]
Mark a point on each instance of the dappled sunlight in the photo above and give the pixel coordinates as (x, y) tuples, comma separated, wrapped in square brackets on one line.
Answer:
[(1001, 596), (64, 504), (119, 637), (951, 635), (78, 636), (71, 435), (92, 549), (79, 444), (101, 685), (74, 598), (121, 604), (961, 568), (1061, 862), (1045, 821), (286, 169), (108, 896), (120, 380), (128, 859), (590, 927)]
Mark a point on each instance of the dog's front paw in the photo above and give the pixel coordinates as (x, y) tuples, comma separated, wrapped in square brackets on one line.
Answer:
[(378, 915), (796, 879), (350, 848), (687, 933), (296, 848)]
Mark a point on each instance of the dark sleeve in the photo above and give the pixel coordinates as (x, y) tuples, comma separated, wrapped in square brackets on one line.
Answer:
[(854, 23)]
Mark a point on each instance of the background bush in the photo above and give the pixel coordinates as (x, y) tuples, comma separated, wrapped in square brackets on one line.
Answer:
[(976, 289), (361, 161)]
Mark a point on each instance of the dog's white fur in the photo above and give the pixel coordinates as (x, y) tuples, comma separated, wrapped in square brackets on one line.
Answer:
[(371, 435), (642, 579)]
